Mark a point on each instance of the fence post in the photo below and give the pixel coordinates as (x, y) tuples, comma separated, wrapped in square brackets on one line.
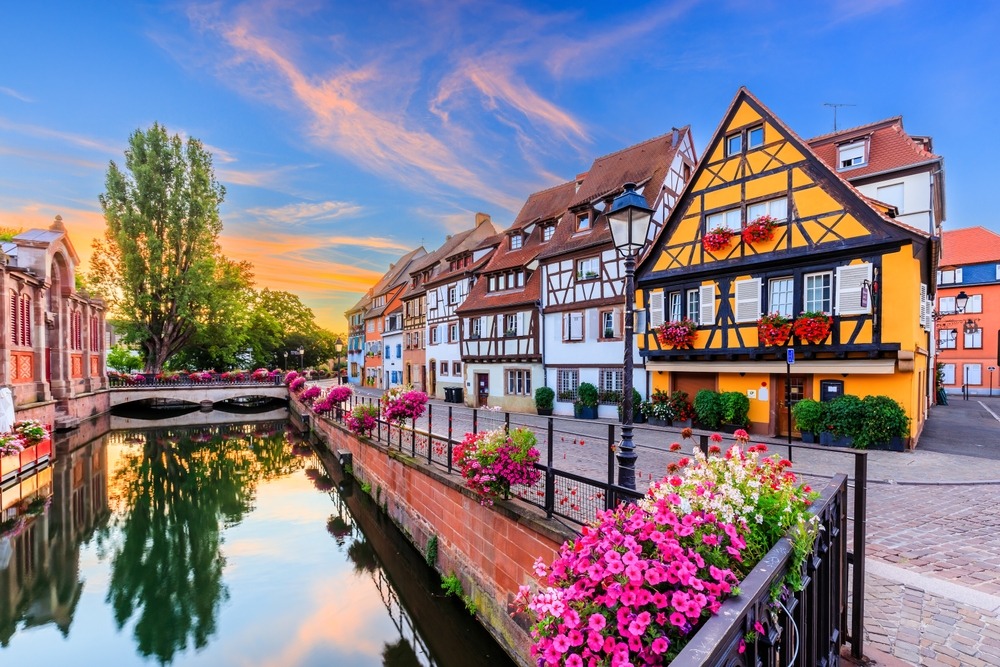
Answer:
[(413, 437), (609, 496), (475, 421), (550, 478), (449, 439), (430, 432), (506, 422), (703, 444), (860, 528)]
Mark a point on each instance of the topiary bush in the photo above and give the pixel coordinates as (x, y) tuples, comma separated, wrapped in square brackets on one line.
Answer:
[(735, 408), (586, 394), (708, 408), (544, 397), (883, 419), (810, 415), (845, 416)]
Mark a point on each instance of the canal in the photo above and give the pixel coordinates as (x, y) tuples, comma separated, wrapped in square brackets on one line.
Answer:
[(222, 544)]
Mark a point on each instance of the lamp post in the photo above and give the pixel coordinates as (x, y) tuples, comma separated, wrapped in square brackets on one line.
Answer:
[(286, 361), (628, 218), (302, 354), (338, 347)]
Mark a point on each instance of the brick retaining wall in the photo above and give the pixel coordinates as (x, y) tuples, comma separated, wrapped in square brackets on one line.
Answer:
[(491, 549)]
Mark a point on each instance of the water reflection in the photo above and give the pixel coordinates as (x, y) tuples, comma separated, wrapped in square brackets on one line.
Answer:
[(217, 545)]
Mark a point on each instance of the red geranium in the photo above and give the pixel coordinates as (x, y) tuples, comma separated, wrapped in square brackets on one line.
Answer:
[(813, 327), (774, 329), (717, 239), (678, 335), (760, 230)]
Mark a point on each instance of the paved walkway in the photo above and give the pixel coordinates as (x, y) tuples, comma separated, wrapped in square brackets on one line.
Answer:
[(933, 585)]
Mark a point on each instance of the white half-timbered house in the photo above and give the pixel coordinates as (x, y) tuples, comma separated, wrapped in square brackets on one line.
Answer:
[(501, 318), (582, 282)]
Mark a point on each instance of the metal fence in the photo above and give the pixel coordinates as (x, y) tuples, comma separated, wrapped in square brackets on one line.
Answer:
[(578, 498), (129, 382)]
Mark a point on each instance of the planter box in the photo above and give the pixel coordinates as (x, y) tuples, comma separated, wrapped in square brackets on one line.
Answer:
[(653, 421), (585, 412), (638, 417), (809, 438), (894, 445), (830, 440), (682, 423), (544, 412), (731, 428)]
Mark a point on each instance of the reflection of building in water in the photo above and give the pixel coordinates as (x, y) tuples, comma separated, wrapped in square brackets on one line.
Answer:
[(40, 582)]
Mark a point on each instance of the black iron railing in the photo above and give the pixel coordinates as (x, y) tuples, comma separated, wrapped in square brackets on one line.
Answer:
[(131, 382)]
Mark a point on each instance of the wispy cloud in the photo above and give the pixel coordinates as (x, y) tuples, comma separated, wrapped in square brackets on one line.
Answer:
[(45, 156), (370, 243), (15, 94), (306, 212), (67, 137)]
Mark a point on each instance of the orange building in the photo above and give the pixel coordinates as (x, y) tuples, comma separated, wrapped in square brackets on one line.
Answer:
[(968, 311)]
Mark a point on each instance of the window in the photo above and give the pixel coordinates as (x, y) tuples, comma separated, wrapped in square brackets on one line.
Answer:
[(502, 282), (891, 195), (520, 279), (948, 373), (946, 304), (734, 144), (434, 335), (608, 324), (547, 232), (947, 339), (730, 219), (675, 307), (852, 155), (974, 304), (453, 294), (974, 339), (388, 351), (610, 379), (493, 284), (518, 383), (20, 319), (572, 326), (515, 241), (371, 326), (780, 299), (692, 305), (583, 222), (456, 368), (444, 368), (755, 137), (510, 325), (818, 291), (476, 327), (453, 333), (949, 276), (567, 384), (588, 269), (972, 373), (776, 208)]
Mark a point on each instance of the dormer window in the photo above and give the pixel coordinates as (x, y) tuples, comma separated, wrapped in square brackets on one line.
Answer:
[(734, 144), (755, 137), (583, 222), (515, 241), (852, 155), (548, 231)]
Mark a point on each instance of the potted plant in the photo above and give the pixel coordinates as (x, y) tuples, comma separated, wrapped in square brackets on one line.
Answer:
[(844, 419), (658, 410), (609, 333), (812, 327), (883, 426), (759, 230), (774, 329), (585, 406), (708, 409), (717, 239), (810, 416), (681, 411), (735, 408), (510, 333), (543, 400), (678, 335)]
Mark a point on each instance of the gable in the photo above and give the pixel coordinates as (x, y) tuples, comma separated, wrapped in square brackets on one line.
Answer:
[(821, 212)]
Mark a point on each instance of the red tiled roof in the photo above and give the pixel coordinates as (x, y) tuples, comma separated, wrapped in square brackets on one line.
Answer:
[(971, 245), (545, 204), (890, 148), (480, 299)]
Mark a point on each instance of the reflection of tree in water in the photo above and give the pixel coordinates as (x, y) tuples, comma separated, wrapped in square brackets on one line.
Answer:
[(174, 495), (400, 654), (362, 554)]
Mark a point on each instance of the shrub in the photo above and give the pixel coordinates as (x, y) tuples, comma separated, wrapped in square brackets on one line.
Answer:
[(883, 420), (845, 416), (735, 408), (587, 395), (708, 408), (680, 407), (810, 415), (544, 397)]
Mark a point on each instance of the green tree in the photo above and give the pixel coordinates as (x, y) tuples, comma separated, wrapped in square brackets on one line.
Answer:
[(158, 264), (123, 360)]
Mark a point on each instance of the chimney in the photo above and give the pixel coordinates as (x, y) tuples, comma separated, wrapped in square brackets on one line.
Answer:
[(579, 181), (448, 238), (674, 136), (481, 218)]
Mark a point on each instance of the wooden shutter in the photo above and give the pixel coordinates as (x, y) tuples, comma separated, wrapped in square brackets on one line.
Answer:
[(522, 324), (13, 318), (748, 300), (850, 285), (706, 304), (25, 320), (655, 309)]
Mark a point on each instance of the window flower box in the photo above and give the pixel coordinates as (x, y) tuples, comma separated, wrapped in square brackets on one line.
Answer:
[(717, 239), (510, 333), (760, 230), (679, 335), (812, 327), (774, 330)]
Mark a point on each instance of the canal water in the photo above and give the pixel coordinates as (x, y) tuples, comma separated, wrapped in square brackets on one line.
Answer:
[(217, 545)]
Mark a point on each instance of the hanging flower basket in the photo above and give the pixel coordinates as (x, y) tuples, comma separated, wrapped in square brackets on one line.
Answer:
[(774, 329), (678, 335), (813, 327), (760, 230), (717, 239)]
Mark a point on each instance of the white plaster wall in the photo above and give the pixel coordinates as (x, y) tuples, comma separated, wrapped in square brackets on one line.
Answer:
[(916, 198)]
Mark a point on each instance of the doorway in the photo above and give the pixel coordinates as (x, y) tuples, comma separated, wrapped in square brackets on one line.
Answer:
[(799, 387), (483, 389)]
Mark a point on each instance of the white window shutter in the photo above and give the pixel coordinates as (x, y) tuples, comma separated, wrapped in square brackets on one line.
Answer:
[(850, 285), (616, 322), (655, 309), (958, 275), (939, 274), (748, 300), (576, 326), (706, 302), (522, 329), (924, 313)]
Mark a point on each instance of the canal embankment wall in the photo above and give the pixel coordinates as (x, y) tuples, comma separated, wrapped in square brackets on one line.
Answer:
[(491, 549)]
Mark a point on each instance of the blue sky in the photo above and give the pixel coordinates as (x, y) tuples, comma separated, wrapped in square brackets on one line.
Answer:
[(347, 133)]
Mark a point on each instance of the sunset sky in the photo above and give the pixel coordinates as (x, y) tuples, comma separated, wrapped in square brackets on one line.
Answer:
[(347, 133)]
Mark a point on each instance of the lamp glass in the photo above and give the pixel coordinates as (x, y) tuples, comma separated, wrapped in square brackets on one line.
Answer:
[(640, 227), (620, 228), (961, 300)]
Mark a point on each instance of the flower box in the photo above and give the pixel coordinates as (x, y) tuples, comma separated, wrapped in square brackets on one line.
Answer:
[(585, 412), (653, 421), (682, 423), (774, 330), (809, 438), (679, 335), (894, 445), (717, 239), (760, 230), (544, 412), (831, 440), (638, 417), (813, 327)]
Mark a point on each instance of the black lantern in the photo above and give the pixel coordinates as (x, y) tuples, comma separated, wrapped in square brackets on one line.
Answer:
[(629, 219), (961, 300)]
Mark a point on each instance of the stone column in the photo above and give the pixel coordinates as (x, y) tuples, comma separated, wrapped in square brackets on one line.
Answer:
[(39, 341)]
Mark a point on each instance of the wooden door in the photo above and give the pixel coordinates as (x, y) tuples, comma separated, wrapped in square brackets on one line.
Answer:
[(483, 389), (800, 388), (692, 383)]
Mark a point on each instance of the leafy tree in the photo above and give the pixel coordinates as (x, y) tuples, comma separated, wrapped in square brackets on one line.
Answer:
[(7, 234), (123, 360), (158, 264)]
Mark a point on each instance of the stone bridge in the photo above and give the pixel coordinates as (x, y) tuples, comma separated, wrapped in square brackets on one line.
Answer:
[(198, 418), (196, 394)]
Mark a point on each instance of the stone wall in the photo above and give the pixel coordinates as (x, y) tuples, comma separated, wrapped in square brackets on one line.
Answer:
[(79, 407), (491, 549)]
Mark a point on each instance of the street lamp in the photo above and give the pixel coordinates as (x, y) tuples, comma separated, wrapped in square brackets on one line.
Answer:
[(302, 354), (286, 361), (338, 347), (628, 218), (961, 300)]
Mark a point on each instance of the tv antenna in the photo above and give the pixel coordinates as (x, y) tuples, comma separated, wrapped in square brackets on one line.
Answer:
[(829, 104)]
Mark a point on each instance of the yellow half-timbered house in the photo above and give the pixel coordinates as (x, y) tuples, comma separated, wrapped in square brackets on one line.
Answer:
[(832, 251)]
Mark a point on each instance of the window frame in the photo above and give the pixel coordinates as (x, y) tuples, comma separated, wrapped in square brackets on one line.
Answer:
[(519, 242), (791, 296), (828, 287), (456, 368), (750, 133), (583, 217), (767, 204), (976, 336), (548, 231), (693, 312), (738, 136), (607, 318), (724, 220), (675, 307), (562, 375), (517, 381), (951, 336), (581, 275), (854, 165)]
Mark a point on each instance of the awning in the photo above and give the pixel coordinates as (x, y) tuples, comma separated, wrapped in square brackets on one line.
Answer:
[(855, 366)]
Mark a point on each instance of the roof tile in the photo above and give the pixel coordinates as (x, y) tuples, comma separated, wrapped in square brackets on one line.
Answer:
[(970, 245)]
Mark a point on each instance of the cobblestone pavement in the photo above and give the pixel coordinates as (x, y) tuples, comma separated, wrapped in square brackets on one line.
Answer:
[(933, 527)]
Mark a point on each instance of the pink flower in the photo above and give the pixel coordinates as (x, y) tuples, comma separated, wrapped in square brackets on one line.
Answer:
[(660, 645), (678, 619), (715, 437), (561, 643), (758, 627), (574, 661)]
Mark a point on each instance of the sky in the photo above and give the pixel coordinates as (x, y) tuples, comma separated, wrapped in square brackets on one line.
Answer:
[(348, 133)]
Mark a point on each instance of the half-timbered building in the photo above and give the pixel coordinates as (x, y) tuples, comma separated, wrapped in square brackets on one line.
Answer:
[(583, 274), (833, 251), (385, 299), (356, 338), (501, 318)]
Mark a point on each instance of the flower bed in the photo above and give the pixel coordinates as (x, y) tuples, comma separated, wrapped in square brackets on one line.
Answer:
[(11, 444), (813, 327), (32, 431), (760, 230), (679, 335), (717, 239), (492, 461), (774, 329), (640, 581)]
